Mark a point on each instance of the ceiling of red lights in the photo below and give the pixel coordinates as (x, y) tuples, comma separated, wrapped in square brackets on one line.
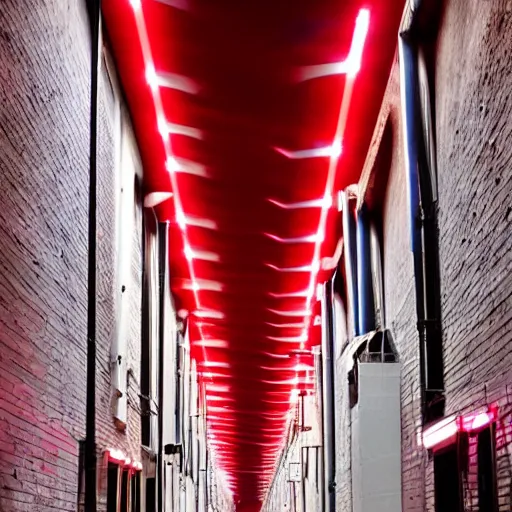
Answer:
[(253, 114)]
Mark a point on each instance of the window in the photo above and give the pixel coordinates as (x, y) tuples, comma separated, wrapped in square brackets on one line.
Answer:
[(135, 492), (125, 486), (487, 492), (151, 495), (112, 487), (447, 480)]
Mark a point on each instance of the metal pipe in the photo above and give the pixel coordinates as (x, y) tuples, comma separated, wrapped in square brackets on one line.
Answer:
[(423, 228), (303, 477), (328, 395), (350, 250), (90, 421), (408, 80), (364, 273), (378, 289), (163, 247)]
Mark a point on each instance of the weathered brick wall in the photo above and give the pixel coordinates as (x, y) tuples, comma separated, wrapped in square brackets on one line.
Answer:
[(43, 230), (44, 98), (473, 105), (472, 112), (474, 102)]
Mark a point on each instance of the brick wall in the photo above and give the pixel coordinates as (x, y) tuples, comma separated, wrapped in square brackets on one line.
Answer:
[(473, 105), (44, 93)]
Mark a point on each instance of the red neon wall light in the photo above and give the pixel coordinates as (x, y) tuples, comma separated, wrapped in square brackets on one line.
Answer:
[(445, 431), (118, 457)]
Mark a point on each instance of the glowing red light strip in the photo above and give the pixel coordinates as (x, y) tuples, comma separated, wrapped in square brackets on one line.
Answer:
[(119, 457), (158, 104), (446, 429), (355, 55)]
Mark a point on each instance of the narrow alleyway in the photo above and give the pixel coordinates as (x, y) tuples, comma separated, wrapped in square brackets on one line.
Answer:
[(255, 256)]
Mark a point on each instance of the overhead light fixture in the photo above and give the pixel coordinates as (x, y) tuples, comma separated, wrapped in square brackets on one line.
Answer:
[(217, 388), (185, 166), (180, 219), (190, 220), (297, 325), (215, 398), (286, 382), (165, 128), (352, 64), (333, 150), (304, 313), (303, 268), (301, 367), (170, 81), (212, 343), (288, 339), (200, 255), (356, 49), (214, 364), (295, 240), (151, 77), (208, 313), (286, 295), (203, 284), (325, 202), (172, 165)]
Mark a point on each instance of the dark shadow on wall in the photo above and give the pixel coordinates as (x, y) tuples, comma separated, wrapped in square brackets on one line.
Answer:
[(378, 187)]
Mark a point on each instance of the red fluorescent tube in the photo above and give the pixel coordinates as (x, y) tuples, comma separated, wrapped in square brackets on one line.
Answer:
[(446, 430)]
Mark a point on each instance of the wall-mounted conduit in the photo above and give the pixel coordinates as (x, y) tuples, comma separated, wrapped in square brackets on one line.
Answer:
[(422, 192), (94, 8), (328, 424), (365, 284), (163, 260), (348, 203)]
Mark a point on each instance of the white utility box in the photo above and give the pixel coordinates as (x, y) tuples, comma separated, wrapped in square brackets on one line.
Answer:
[(376, 439)]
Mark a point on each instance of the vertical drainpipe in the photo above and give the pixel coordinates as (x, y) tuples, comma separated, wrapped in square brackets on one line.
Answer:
[(328, 396), (320, 462), (376, 270), (163, 253), (408, 90), (364, 272), (94, 7), (347, 205), (423, 226)]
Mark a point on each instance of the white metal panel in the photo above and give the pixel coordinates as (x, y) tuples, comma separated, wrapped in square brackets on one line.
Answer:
[(376, 439), (125, 225)]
